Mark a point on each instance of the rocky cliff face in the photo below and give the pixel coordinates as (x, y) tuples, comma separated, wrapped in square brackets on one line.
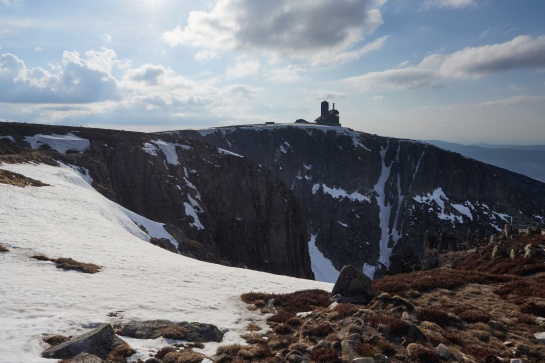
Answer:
[(369, 200), (221, 207)]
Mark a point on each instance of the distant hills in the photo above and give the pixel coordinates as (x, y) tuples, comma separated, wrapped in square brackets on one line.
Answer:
[(527, 160)]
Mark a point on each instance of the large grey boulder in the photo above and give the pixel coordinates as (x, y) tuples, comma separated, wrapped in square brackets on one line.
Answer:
[(353, 286), (99, 342), (151, 329)]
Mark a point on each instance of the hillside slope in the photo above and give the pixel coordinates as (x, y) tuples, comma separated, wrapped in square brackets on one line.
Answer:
[(220, 207), (69, 218)]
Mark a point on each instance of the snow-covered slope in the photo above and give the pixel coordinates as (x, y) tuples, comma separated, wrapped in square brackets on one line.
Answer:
[(70, 219)]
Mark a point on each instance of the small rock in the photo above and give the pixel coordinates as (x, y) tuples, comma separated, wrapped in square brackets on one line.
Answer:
[(86, 358), (507, 344), (99, 341), (540, 337), (295, 358), (516, 360), (363, 360), (443, 351)]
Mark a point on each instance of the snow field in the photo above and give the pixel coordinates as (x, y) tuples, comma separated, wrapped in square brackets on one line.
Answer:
[(70, 219)]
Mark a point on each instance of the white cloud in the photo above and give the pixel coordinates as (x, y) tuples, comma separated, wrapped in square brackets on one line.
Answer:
[(378, 99), (321, 94), (244, 68), (306, 29), (290, 73), (510, 101), (468, 63), (206, 55), (79, 80), (454, 4)]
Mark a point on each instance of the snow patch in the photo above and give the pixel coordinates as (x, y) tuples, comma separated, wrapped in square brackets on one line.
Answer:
[(338, 193), (169, 150), (190, 211), (369, 270), (10, 138), (227, 152), (343, 224), (150, 149), (321, 266), (60, 143)]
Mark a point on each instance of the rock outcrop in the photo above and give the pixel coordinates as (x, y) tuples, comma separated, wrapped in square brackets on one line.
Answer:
[(370, 200)]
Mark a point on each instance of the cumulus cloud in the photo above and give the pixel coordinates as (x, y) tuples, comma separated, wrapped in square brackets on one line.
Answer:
[(309, 29), (468, 63), (245, 68), (79, 80)]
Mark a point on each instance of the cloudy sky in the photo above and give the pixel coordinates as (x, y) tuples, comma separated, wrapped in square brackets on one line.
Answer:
[(456, 70)]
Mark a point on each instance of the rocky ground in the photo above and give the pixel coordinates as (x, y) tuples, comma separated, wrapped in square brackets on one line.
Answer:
[(486, 309)]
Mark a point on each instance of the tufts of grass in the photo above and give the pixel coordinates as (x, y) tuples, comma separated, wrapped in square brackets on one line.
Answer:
[(471, 314), (317, 329), (164, 351), (481, 353), (70, 264), (392, 325), (175, 332), (3, 248), (56, 339), (296, 302), (283, 329), (434, 314), (119, 353), (229, 350), (325, 355), (421, 354), (345, 310)]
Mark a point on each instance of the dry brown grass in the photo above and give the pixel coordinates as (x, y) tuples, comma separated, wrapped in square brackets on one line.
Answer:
[(164, 351), (345, 310), (422, 354), (19, 180), (70, 264), (424, 281), (317, 329), (175, 332), (119, 353), (325, 355), (481, 353), (296, 302), (3, 248), (56, 339), (391, 325), (253, 327)]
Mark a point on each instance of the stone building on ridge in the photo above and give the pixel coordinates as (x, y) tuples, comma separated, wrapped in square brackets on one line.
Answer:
[(328, 117)]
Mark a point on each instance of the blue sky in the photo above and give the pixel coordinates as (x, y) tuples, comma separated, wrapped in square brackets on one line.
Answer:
[(456, 70)]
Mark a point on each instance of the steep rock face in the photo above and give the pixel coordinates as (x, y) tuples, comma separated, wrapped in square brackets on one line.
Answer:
[(219, 206), (369, 200)]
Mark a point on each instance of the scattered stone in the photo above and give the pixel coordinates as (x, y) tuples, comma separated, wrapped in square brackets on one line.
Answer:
[(507, 344), (363, 360), (86, 358), (516, 360), (540, 337), (353, 286), (99, 341), (443, 351), (349, 345)]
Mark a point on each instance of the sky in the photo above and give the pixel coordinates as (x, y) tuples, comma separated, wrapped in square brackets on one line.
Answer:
[(464, 71)]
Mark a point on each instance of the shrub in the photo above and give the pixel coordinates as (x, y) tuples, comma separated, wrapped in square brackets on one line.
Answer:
[(325, 355)]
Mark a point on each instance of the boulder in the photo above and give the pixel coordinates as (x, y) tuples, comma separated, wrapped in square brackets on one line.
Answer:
[(540, 337), (99, 342), (443, 351), (349, 345), (353, 286), (151, 329)]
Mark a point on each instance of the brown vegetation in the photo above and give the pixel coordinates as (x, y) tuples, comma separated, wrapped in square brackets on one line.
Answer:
[(56, 339), (70, 264), (3, 248), (19, 180)]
